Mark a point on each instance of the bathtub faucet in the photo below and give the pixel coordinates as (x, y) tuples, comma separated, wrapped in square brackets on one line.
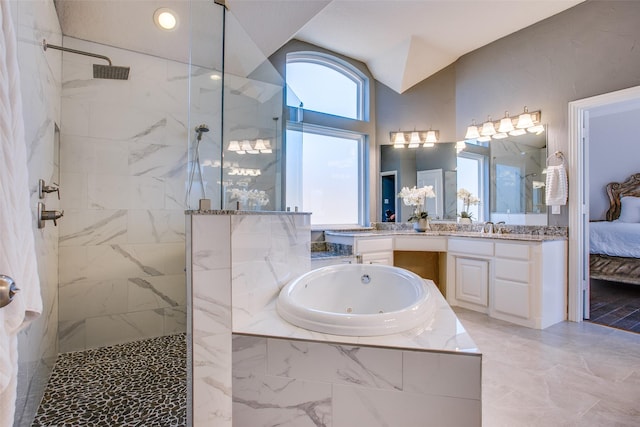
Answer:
[(358, 258)]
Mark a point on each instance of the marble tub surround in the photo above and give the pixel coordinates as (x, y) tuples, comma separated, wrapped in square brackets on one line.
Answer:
[(289, 382), (244, 258), (442, 333), (237, 265)]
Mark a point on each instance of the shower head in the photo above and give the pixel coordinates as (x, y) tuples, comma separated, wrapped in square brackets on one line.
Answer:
[(112, 72), (99, 71), (200, 130)]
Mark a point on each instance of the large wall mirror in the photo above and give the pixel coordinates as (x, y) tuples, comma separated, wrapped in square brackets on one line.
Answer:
[(508, 176)]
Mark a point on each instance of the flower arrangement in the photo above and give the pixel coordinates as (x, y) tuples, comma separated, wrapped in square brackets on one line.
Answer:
[(468, 200), (415, 197), (253, 198)]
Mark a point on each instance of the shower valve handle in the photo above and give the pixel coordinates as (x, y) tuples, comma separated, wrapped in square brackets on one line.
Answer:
[(43, 188)]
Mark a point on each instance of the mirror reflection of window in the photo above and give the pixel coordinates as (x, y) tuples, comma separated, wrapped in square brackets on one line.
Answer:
[(470, 177)]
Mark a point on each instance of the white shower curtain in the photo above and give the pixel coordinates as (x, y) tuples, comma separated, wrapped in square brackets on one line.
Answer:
[(17, 249)]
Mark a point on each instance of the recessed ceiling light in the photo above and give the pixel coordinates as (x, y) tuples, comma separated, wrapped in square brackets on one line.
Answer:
[(165, 19), (215, 77)]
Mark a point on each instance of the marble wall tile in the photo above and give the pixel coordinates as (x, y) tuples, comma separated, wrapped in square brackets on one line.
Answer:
[(210, 274), (249, 355), (74, 190), (106, 191), (40, 86), (123, 186), (82, 299), (82, 227), (371, 407), (71, 335), (175, 320), (121, 328), (270, 401), (150, 292), (442, 374), (338, 364), (155, 226), (267, 252)]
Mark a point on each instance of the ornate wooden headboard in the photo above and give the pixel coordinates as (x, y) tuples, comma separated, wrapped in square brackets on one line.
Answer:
[(617, 190)]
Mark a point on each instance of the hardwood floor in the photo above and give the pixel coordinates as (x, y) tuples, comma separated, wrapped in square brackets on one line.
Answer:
[(616, 305)]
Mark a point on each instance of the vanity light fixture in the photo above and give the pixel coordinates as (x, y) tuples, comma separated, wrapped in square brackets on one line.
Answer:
[(414, 140), (398, 139), (516, 126), (524, 120), (259, 146), (488, 129), (165, 19), (506, 125), (472, 131), (427, 138)]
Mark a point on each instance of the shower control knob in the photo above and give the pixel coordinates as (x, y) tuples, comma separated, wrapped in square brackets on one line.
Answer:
[(45, 215)]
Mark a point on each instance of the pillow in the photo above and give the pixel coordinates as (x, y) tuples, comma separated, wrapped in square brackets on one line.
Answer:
[(630, 209)]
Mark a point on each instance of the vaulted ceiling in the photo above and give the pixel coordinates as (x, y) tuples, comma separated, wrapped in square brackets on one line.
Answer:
[(401, 41)]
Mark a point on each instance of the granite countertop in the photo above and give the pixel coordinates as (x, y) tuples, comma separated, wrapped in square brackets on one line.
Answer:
[(473, 234)]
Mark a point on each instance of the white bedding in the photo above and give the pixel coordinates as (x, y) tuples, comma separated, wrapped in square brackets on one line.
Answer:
[(615, 238)]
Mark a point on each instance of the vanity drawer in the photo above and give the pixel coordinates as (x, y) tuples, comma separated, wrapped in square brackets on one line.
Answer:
[(513, 250), (421, 243), (512, 270), (471, 246), (373, 245)]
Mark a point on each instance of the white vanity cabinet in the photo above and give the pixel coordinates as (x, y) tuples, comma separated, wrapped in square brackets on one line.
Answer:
[(374, 250), (526, 281), (529, 286), (468, 273)]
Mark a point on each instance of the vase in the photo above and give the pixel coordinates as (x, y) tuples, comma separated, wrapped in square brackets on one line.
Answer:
[(464, 220), (422, 225)]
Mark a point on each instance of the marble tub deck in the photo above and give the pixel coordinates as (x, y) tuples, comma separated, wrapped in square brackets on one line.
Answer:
[(443, 332)]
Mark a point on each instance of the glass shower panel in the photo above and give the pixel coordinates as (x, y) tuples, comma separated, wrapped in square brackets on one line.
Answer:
[(205, 105), (251, 176)]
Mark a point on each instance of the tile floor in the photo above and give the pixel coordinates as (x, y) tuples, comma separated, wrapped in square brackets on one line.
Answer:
[(615, 304), (570, 374), (142, 383)]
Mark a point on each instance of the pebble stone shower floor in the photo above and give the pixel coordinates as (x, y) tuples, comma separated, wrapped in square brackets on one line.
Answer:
[(143, 383)]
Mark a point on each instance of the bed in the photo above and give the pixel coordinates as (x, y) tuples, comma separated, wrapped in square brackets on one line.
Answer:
[(614, 244)]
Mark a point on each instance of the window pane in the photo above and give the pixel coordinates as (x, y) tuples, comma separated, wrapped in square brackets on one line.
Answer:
[(321, 88), (322, 177)]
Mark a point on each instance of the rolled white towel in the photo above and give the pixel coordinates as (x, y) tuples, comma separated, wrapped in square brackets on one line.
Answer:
[(557, 186)]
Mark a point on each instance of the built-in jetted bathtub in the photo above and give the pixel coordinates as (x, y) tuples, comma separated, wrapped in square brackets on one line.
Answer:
[(356, 299)]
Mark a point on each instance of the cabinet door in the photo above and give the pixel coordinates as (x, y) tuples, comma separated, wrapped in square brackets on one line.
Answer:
[(385, 258), (472, 279)]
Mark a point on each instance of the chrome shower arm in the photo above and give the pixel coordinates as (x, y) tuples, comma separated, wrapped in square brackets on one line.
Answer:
[(46, 45)]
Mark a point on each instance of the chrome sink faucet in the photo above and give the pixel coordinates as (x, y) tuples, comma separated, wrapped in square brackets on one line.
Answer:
[(487, 227)]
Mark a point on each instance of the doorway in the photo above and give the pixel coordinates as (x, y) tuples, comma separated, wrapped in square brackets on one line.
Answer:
[(389, 190), (578, 167)]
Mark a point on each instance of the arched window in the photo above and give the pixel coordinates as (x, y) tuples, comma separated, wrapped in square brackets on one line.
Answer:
[(326, 161), (323, 83)]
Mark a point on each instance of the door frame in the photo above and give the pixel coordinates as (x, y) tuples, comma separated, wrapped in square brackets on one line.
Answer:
[(577, 168), (395, 191)]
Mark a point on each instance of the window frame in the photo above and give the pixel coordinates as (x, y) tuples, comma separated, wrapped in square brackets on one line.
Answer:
[(363, 182), (342, 67)]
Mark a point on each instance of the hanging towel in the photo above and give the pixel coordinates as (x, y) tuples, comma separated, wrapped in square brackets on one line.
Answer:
[(17, 249), (556, 185)]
